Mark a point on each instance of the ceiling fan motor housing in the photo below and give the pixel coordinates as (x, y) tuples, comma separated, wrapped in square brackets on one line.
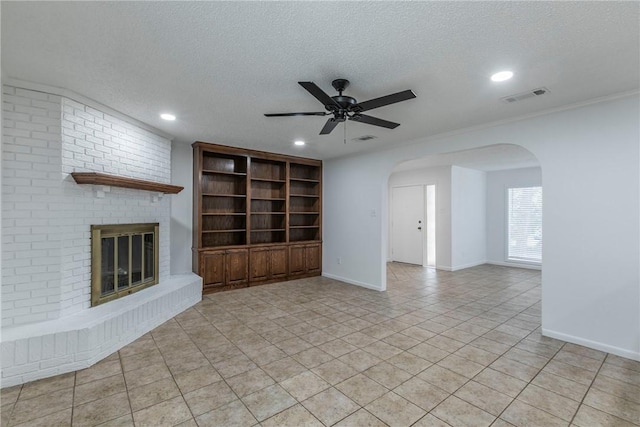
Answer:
[(345, 102)]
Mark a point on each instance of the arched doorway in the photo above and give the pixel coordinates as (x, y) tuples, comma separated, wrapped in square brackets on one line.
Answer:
[(464, 217)]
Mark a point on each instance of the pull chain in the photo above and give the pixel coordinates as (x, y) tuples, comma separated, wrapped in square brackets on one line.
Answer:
[(345, 132)]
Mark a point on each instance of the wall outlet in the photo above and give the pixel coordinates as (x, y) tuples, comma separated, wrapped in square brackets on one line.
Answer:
[(339, 260)]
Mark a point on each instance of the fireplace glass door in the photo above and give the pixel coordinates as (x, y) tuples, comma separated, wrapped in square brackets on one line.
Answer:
[(124, 259)]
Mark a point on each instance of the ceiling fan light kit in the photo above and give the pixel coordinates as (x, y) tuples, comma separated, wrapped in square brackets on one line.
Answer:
[(343, 107)]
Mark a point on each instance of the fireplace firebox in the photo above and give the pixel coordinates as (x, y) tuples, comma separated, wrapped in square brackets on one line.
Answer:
[(124, 260)]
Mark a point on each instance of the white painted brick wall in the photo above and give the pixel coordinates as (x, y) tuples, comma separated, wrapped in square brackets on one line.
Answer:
[(93, 141), (97, 142), (47, 325), (47, 216), (31, 199)]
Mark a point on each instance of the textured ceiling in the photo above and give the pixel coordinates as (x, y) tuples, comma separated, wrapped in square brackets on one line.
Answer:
[(220, 65)]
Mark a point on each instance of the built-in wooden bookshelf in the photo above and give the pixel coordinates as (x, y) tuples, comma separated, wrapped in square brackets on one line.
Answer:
[(268, 189), (253, 212), (304, 202), (223, 190)]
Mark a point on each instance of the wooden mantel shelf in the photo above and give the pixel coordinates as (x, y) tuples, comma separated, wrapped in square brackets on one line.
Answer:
[(120, 181)]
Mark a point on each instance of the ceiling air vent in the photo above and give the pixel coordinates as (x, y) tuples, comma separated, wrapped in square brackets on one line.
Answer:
[(525, 95), (364, 138)]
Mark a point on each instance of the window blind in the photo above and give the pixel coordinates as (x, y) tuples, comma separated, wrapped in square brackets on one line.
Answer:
[(524, 224)]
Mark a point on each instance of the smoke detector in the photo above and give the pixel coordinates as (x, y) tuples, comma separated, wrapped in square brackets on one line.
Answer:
[(364, 138), (525, 95)]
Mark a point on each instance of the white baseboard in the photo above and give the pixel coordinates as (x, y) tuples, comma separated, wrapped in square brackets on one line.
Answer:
[(472, 264), (515, 264), (351, 282), (475, 264), (460, 267), (629, 354)]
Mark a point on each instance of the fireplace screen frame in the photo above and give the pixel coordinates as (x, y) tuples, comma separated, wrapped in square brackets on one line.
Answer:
[(115, 231)]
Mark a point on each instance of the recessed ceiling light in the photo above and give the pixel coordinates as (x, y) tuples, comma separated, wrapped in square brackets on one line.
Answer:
[(298, 142), (502, 76), (169, 117)]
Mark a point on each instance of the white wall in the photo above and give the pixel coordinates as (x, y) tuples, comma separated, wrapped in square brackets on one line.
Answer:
[(497, 184), (441, 178), (181, 208), (590, 281), (354, 216), (468, 218)]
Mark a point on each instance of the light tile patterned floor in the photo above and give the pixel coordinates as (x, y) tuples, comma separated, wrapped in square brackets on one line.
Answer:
[(436, 349)]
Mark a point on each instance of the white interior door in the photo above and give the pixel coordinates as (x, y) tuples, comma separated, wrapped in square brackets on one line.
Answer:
[(407, 224)]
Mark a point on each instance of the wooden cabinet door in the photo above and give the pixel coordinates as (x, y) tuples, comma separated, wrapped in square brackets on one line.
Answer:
[(279, 265), (237, 264), (296, 259), (259, 264), (212, 268), (313, 258)]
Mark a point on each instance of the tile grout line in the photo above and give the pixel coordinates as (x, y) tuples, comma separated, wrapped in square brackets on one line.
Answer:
[(73, 398), (589, 389), (487, 367), (13, 407), (126, 387), (222, 378), (335, 358), (465, 344), (529, 382), (257, 367)]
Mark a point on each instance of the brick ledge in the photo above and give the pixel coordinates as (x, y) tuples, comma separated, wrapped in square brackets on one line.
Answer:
[(40, 350)]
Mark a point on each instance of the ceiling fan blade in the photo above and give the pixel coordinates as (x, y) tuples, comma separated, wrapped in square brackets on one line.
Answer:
[(384, 100), (330, 126), (363, 118), (319, 94), (323, 113)]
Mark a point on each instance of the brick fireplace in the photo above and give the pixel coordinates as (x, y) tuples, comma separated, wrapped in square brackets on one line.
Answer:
[(48, 326), (124, 260)]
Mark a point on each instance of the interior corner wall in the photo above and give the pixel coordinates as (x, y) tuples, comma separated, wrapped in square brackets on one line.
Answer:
[(497, 184), (181, 208), (589, 159), (31, 194), (356, 212), (468, 218), (441, 177)]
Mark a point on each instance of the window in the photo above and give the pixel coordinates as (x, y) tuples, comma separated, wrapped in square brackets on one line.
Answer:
[(524, 224)]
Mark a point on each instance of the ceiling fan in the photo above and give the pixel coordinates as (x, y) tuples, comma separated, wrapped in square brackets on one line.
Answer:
[(343, 107)]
